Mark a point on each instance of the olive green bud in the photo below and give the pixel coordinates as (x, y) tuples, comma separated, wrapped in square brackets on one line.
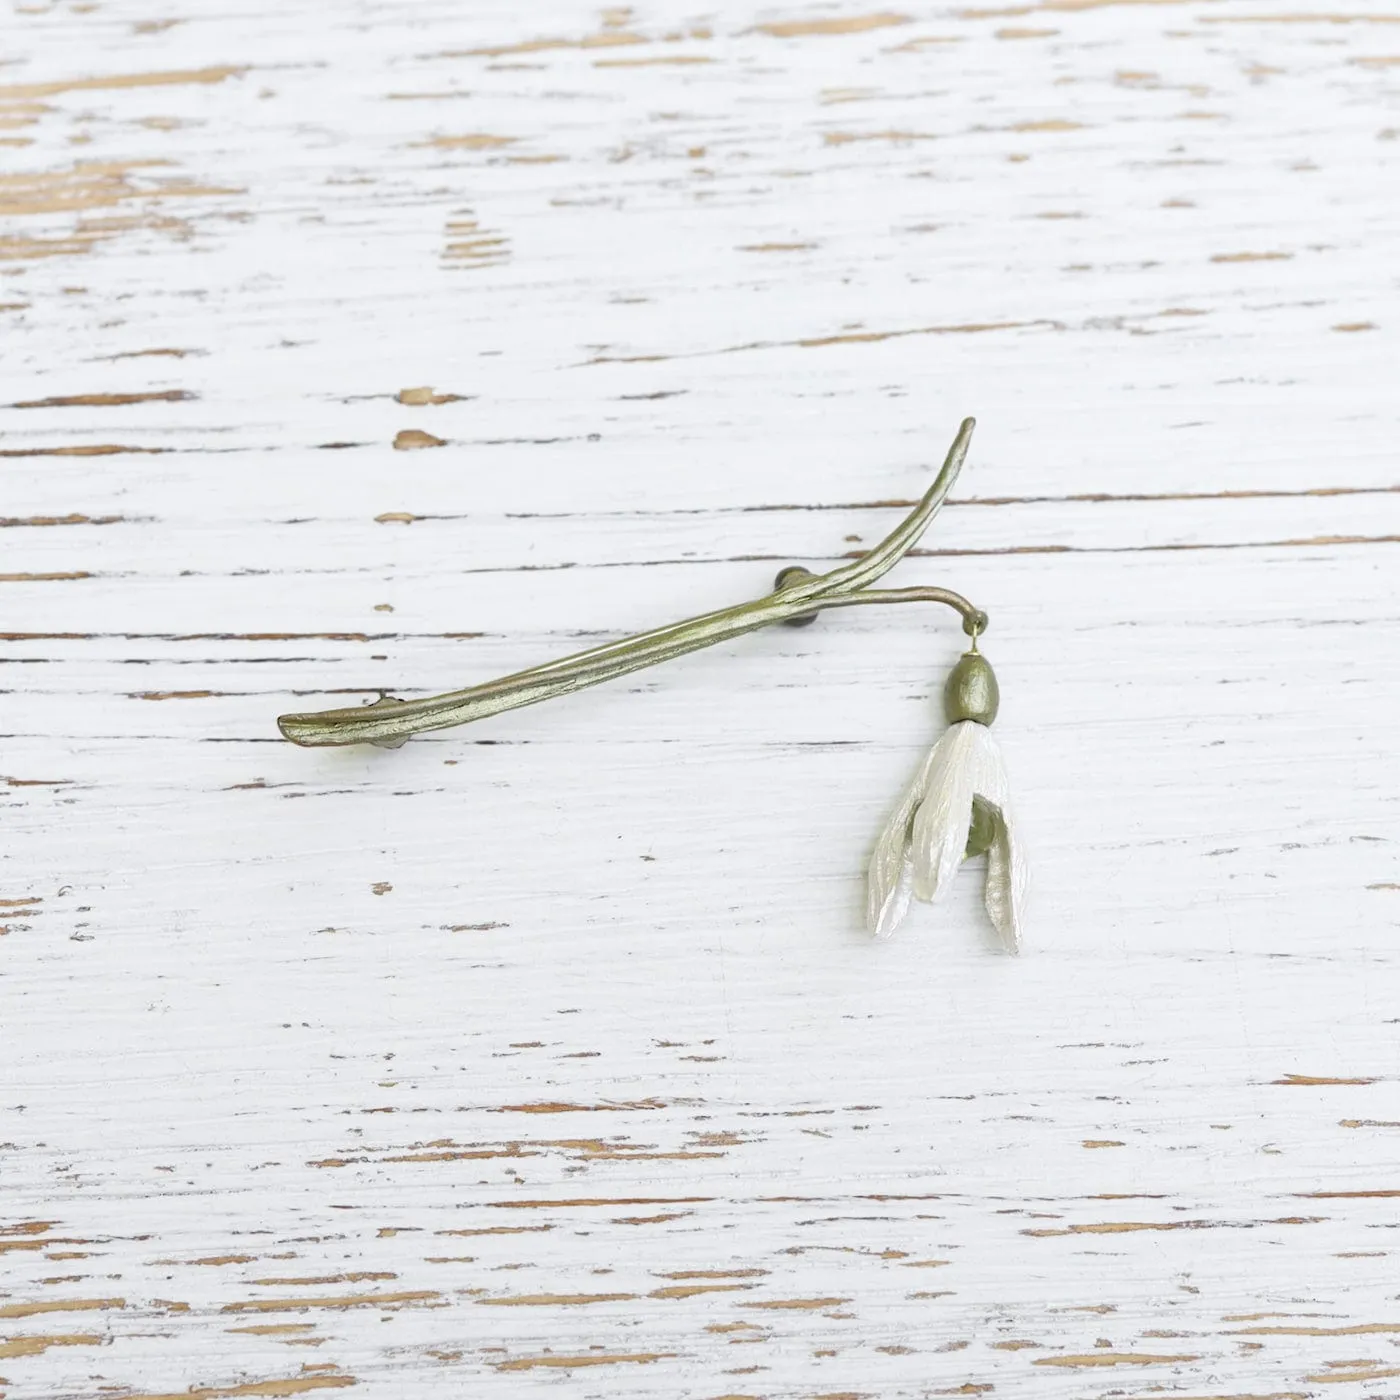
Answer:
[(971, 691), (982, 830)]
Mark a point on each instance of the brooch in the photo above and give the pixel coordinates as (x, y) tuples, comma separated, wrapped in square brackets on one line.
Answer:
[(958, 803)]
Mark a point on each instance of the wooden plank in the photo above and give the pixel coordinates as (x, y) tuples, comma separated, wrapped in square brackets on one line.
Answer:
[(347, 349)]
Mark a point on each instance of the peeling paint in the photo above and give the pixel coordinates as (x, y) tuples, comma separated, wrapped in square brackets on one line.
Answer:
[(115, 82), (37, 1346), (854, 24), (63, 1305), (353, 1300), (530, 1363)]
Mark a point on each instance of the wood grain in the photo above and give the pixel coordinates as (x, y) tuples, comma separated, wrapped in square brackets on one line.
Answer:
[(547, 1056)]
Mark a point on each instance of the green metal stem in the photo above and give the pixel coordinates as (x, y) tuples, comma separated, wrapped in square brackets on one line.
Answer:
[(390, 722)]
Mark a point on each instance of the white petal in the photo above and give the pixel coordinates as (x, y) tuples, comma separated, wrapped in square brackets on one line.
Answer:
[(939, 835), (888, 917), (1006, 862), (1007, 873), (988, 768), (889, 883)]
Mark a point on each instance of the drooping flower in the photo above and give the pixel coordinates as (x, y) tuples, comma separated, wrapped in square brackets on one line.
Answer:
[(958, 805)]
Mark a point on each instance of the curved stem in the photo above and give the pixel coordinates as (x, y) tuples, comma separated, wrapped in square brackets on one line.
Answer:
[(880, 560), (389, 721), (974, 619)]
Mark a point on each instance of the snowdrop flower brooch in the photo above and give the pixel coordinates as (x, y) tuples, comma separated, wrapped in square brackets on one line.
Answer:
[(957, 805)]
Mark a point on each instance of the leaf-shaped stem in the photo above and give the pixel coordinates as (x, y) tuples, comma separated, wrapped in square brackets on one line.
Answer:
[(840, 588), (880, 560)]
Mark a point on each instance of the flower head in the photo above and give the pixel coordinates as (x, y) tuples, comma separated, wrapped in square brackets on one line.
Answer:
[(957, 805)]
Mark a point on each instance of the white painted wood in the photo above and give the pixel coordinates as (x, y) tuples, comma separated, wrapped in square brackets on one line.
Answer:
[(549, 1057)]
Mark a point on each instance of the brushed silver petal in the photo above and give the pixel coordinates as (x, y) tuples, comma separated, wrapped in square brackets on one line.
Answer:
[(939, 835), (889, 881)]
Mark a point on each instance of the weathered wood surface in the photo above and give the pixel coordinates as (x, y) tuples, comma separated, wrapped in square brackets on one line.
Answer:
[(549, 1057)]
